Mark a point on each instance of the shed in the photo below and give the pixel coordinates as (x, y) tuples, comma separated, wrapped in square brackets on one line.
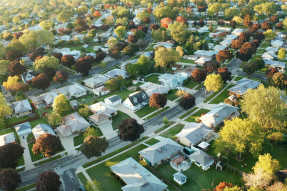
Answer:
[(179, 178)]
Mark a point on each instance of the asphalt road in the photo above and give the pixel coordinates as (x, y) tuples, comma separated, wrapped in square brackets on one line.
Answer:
[(66, 166)]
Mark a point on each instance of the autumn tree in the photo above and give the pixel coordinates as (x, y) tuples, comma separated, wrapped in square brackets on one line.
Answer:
[(9, 179), (14, 83), (233, 24), (224, 73), (187, 102), (224, 55), (46, 25), (133, 39), (157, 100), (47, 144), (61, 105), (68, 60), (211, 66), (251, 137), (244, 37), (268, 109), (16, 68), (213, 82), (61, 76), (165, 22), (48, 181), (264, 172), (198, 75), (279, 80), (46, 61), (266, 26), (178, 32), (270, 72), (130, 130), (41, 81), (120, 32), (10, 154), (94, 146), (165, 57), (222, 185)]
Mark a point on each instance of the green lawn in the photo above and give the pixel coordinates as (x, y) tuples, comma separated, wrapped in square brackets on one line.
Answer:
[(260, 51), (197, 114), (28, 187), (117, 119), (82, 178), (189, 112), (238, 78), (153, 79), (37, 121), (198, 179), (255, 57), (14, 120), (78, 140), (264, 45), (145, 111), (33, 156), (222, 96), (158, 112), (199, 87), (87, 99), (190, 84), (164, 127), (173, 131), (186, 61), (171, 95), (123, 94), (102, 175), (6, 131), (152, 141)]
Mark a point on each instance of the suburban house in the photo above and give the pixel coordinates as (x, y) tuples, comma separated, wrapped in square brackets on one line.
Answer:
[(206, 53), (113, 100), (171, 80), (102, 113), (201, 159), (277, 43), (41, 129), (23, 129), (20, 108), (281, 66), (202, 60), (96, 81), (136, 100), (101, 91), (136, 177), (184, 72), (237, 31), (115, 73), (72, 124), (76, 90), (179, 178), (194, 133), (268, 56), (242, 86), (151, 88), (49, 97), (218, 114), (7, 138), (219, 47), (160, 152), (29, 75)]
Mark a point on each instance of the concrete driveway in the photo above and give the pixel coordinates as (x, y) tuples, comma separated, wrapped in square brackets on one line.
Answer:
[(107, 130)]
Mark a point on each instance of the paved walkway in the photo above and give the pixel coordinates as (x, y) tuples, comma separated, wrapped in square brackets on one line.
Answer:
[(107, 130), (26, 155)]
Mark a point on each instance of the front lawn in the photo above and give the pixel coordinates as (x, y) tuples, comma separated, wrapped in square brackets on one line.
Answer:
[(197, 114), (33, 156), (190, 84), (152, 78), (145, 111), (117, 119), (123, 94), (171, 95), (189, 112), (158, 112), (102, 173), (78, 140), (152, 141), (186, 61), (173, 131), (87, 99), (222, 96), (82, 178)]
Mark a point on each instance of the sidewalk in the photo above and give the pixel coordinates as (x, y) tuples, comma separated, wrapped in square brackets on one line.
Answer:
[(27, 158)]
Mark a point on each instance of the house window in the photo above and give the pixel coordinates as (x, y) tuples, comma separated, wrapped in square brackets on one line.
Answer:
[(135, 100)]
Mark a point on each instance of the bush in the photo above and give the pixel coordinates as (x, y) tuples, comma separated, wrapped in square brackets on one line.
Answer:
[(197, 120)]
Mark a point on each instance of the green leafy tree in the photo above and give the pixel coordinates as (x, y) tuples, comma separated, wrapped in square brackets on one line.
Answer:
[(64, 16), (112, 41), (85, 111), (268, 109), (213, 82), (165, 57), (115, 84), (94, 146), (269, 34), (178, 32), (61, 105), (90, 131), (54, 118), (46, 61), (46, 25), (34, 39), (120, 32), (20, 96)]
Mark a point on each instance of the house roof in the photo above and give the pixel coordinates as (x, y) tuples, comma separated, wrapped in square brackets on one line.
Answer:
[(243, 85), (151, 88), (7, 138), (49, 97), (42, 129), (22, 127), (136, 176), (208, 53), (179, 176), (29, 75), (99, 79), (21, 106), (113, 98), (160, 150), (102, 108), (171, 79), (99, 117), (138, 97), (274, 63), (201, 157), (194, 132), (76, 89), (116, 72), (218, 114)]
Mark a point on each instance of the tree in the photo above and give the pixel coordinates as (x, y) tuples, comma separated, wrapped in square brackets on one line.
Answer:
[(282, 53), (34, 39), (267, 106), (157, 100), (130, 130), (47, 144), (266, 26), (46, 25), (9, 179), (224, 73), (61, 105), (270, 72), (233, 24), (187, 102), (249, 68), (165, 22), (48, 181), (115, 84), (61, 76), (10, 154), (54, 118), (224, 55), (90, 131), (4, 67), (94, 146), (100, 56), (264, 172), (154, 27), (178, 32), (64, 16), (20, 96), (133, 39), (142, 67), (68, 60), (165, 57), (222, 185), (41, 81), (279, 80), (198, 75), (85, 111), (269, 34), (14, 84), (251, 137), (16, 68), (213, 82), (120, 31), (46, 61), (84, 64), (244, 37), (112, 41)]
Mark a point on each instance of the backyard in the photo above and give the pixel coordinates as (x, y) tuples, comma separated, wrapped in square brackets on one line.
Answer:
[(153, 78)]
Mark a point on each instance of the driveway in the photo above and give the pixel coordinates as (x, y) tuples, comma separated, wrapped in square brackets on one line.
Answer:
[(26, 155), (107, 130)]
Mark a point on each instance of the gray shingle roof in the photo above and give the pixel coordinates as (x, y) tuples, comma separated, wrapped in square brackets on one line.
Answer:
[(179, 176), (243, 85), (138, 97), (21, 106), (114, 98), (201, 157)]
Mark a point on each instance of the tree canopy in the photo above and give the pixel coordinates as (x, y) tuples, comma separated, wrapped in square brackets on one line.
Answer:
[(130, 130), (94, 146)]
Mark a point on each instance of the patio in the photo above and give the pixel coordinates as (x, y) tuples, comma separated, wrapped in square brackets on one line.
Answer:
[(179, 163)]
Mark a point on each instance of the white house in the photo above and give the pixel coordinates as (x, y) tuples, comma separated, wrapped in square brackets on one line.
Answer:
[(268, 56), (202, 60), (206, 53), (171, 80), (113, 100), (276, 64), (237, 31), (76, 90), (277, 43), (101, 91), (20, 109), (151, 88), (96, 81), (102, 113), (7, 138), (136, 100), (23, 129)]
